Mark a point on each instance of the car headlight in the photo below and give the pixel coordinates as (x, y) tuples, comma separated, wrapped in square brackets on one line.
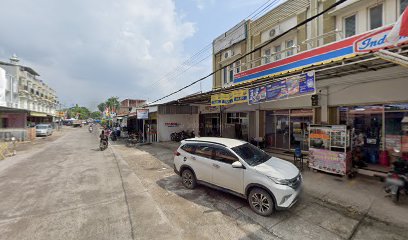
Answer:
[(279, 180)]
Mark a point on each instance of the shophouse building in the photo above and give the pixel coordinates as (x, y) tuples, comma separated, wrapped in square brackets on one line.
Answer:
[(27, 100), (327, 71)]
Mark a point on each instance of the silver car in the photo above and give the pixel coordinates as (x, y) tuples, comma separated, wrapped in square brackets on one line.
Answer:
[(43, 129)]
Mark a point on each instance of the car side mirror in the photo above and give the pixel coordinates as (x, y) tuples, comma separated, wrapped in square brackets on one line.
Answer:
[(237, 164)]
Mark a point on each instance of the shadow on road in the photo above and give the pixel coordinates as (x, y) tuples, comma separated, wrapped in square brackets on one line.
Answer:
[(236, 208)]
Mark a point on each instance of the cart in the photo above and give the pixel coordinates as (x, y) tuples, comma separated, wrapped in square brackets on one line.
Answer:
[(330, 149)]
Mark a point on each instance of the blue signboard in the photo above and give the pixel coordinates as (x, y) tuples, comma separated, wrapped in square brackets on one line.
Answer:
[(257, 95), (289, 87)]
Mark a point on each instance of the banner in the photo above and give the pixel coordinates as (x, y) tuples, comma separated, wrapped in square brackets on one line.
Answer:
[(240, 96), (236, 96), (328, 161), (142, 113), (285, 88)]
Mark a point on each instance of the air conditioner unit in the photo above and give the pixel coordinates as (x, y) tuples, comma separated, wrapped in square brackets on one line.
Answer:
[(273, 32), (228, 54)]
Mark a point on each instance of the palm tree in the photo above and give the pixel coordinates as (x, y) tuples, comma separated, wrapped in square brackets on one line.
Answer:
[(113, 103)]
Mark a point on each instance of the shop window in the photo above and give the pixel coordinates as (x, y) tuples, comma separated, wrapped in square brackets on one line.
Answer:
[(376, 16), (350, 26), (289, 45), (233, 118), (277, 52), (402, 5)]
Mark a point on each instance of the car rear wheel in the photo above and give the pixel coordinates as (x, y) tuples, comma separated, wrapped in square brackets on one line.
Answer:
[(188, 179), (261, 202)]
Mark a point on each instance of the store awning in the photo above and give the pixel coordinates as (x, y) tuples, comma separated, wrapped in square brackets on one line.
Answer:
[(38, 114)]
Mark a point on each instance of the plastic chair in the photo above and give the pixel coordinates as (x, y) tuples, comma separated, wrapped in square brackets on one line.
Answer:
[(298, 157)]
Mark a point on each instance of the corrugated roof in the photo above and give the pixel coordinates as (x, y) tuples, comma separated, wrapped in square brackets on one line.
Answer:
[(282, 12)]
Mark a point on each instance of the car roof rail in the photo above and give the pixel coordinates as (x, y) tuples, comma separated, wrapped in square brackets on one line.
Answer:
[(203, 141)]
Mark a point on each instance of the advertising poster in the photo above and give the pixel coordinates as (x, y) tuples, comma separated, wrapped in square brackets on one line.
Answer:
[(276, 90), (257, 95), (293, 86), (328, 161)]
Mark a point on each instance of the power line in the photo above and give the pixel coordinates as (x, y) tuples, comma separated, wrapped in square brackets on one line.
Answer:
[(257, 48), (174, 73)]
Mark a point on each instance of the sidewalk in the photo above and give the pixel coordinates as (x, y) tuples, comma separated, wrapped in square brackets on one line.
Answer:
[(361, 194)]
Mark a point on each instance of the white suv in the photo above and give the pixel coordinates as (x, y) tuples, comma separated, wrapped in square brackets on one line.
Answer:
[(238, 167)]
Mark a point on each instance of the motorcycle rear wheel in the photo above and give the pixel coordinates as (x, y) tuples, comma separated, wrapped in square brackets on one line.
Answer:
[(395, 197)]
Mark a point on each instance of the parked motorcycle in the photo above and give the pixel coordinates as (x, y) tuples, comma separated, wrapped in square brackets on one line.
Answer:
[(180, 136), (396, 181), (132, 140)]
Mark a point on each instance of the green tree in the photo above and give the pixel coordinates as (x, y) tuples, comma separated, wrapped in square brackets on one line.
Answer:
[(102, 107), (113, 103), (81, 112), (95, 115)]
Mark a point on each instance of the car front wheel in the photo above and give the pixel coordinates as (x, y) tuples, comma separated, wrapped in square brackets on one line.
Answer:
[(188, 179), (261, 202)]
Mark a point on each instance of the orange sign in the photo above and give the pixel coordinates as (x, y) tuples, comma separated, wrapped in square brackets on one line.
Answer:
[(320, 136)]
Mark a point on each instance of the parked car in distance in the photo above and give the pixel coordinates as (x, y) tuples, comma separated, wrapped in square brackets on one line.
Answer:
[(43, 130), (238, 167)]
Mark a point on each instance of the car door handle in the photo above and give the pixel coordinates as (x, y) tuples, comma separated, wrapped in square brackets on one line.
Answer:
[(216, 165), (193, 158)]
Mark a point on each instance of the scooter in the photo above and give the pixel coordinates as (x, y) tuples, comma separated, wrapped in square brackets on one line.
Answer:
[(396, 181), (103, 144)]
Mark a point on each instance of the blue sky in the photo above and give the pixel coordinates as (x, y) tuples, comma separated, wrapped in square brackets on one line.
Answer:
[(91, 50)]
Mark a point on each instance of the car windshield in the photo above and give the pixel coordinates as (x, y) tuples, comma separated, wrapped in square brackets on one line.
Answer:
[(41, 127), (251, 154)]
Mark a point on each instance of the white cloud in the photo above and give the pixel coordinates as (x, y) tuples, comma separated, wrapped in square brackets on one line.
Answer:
[(201, 4), (89, 50)]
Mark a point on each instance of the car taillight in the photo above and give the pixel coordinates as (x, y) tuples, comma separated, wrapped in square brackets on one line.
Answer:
[(176, 153), (395, 176)]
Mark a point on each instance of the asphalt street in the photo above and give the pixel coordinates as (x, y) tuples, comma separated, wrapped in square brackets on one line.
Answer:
[(68, 189)]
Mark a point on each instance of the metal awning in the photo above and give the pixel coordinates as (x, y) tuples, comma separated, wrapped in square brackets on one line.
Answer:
[(333, 69)]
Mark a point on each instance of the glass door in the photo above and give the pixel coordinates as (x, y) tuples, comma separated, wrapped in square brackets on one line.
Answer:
[(282, 131), (299, 131)]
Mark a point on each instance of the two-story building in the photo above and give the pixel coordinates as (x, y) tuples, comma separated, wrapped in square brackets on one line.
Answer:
[(335, 69)]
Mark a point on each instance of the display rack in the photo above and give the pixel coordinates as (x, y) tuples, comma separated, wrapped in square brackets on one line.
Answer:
[(330, 149)]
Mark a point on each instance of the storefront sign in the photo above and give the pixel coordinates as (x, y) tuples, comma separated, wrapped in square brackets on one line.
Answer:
[(209, 109), (171, 124), (142, 113), (236, 96), (289, 87), (375, 41), (349, 47), (329, 161)]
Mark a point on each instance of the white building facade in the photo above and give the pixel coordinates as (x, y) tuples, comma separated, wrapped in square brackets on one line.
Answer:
[(24, 90)]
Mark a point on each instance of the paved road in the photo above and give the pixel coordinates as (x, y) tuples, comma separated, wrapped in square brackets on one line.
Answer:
[(71, 190), (67, 189)]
